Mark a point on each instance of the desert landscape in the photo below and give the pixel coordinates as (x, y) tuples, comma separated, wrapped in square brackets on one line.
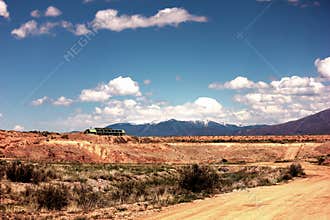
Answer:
[(126, 177), (164, 110)]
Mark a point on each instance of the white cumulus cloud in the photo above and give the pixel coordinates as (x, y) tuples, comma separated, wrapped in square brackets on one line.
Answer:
[(96, 95), (105, 19), (208, 105), (120, 86), (239, 82), (32, 28), (62, 101), (139, 111), (28, 28), (35, 14), (40, 101), (52, 11), (282, 100), (111, 20), (18, 128), (285, 99), (4, 9), (81, 29), (296, 85), (323, 67)]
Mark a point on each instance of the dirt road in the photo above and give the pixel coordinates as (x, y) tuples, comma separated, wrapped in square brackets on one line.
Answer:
[(307, 198)]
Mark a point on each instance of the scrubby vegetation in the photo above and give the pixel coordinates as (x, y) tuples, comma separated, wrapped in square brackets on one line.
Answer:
[(296, 170), (2, 169), (198, 179), (323, 160), (26, 173), (49, 196), (87, 187), (86, 198)]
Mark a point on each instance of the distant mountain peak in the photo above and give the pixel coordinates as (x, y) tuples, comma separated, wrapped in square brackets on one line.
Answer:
[(315, 124), (174, 127)]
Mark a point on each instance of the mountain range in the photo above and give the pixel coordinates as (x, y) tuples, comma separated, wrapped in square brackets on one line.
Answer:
[(318, 123)]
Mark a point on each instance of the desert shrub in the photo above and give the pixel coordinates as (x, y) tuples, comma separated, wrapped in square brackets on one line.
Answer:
[(253, 176), (18, 172), (2, 168), (52, 197), (224, 160), (4, 191), (155, 189), (285, 177), (230, 178), (197, 178), (186, 197), (129, 190), (321, 160), (87, 199), (263, 182), (296, 169), (45, 133), (108, 177), (51, 174), (2, 173), (234, 180), (65, 136), (28, 173)]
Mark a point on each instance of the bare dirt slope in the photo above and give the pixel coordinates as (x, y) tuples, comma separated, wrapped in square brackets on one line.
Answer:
[(52, 147), (307, 198)]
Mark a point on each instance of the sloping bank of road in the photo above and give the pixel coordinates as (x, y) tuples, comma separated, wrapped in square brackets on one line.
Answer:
[(306, 198)]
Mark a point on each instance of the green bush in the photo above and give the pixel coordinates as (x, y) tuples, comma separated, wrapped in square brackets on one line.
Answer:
[(52, 197), (198, 179)]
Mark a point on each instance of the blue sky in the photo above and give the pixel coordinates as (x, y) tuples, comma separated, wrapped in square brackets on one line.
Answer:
[(68, 66)]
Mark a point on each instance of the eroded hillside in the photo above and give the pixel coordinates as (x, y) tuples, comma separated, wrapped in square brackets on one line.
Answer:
[(78, 147)]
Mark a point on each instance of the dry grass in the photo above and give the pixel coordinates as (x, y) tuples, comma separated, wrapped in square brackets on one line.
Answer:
[(86, 187)]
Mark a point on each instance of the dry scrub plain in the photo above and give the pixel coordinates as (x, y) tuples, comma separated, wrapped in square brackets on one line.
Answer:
[(303, 198), (75, 176)]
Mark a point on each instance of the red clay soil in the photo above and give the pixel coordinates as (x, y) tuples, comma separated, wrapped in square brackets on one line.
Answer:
[(78, 147)]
